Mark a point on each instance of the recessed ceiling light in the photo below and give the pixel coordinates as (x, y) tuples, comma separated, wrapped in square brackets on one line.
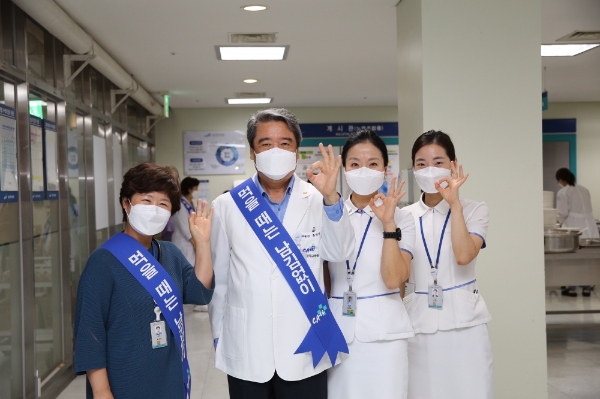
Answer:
[(252, 53), (565, 50), (250, 80), (240, 101), (254, 7)]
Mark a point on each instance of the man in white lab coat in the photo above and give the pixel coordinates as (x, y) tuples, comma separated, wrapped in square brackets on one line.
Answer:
[(574, 206), (257, 321)]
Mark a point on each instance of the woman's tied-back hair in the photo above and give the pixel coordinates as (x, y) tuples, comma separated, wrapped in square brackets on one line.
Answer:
[(150, 177)]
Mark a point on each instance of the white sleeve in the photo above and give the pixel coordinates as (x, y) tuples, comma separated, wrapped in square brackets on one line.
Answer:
[(405, 221), (478, 220), (181, 223), (220, 252), (562, 205), (337, 238)]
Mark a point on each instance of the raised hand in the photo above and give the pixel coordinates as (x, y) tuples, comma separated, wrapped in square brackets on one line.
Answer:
[(200, 222), (326, 180), (450, 193), (385, 211)]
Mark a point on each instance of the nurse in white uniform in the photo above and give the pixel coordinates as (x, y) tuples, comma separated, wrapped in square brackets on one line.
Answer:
[(450, 356), (574, 206), (365, 299)]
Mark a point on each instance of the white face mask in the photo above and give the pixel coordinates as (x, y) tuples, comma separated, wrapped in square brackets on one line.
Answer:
[(426, 178), (276, 163), (148, 220), (364, 181)]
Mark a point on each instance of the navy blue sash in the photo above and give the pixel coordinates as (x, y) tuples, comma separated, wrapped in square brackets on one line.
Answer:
[(187, 206), (155, 279), (324, 334)]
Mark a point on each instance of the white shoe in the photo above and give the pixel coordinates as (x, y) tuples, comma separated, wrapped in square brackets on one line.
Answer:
[(201, 308)]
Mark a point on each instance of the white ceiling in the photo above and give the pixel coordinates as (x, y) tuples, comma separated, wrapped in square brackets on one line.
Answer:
[(571, 78), (342, 52)]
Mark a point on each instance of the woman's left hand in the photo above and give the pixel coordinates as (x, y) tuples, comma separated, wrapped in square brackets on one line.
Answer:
[(385, 211), (450, 193), (200, 222)]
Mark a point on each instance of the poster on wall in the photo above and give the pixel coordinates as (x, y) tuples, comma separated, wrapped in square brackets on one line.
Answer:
[(8, 155), (393, 168), (204, 190), (51, 159), (72, 153), (214, 153), (37, 158)]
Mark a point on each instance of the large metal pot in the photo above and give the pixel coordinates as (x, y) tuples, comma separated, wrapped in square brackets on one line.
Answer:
[(561, 241)]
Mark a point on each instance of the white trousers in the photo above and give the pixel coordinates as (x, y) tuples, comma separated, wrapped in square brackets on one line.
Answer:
[(377, 370), (451, 364)]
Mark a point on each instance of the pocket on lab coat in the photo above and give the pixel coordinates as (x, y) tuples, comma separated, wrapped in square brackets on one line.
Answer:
[(469, 306), (234, 331)]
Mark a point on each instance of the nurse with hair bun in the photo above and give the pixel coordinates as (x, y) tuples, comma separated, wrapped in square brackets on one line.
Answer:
[(450, 355)]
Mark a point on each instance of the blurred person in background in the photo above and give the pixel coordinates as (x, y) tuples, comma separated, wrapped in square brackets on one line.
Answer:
[(574, 205)]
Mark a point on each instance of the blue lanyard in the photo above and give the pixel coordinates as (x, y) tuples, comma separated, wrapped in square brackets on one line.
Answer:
[(350, 276), (187, 205), (434, 269)]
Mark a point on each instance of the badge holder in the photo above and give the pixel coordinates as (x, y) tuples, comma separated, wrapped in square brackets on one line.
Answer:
[(158, 331), (349, 306)]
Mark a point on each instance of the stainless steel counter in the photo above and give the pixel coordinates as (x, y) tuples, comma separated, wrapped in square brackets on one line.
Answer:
[(577, 268)]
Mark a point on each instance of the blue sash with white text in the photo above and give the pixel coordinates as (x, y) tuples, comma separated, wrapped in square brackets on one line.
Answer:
[(155, 279), (324, 334), (187, 205)]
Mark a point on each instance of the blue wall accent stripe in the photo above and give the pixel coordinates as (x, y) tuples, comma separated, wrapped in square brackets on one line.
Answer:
[(559, 125)]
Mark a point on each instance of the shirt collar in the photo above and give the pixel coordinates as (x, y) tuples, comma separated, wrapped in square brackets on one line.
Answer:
[(353, 209), (441, 208), (263, 193)]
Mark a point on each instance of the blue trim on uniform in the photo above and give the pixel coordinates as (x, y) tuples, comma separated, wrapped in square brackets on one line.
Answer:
[(448, 289), (479, 235), (370, 296), (406, 250)]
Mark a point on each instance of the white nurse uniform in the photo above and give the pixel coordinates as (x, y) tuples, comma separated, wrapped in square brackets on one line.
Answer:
[(377, 366), (450, 356)]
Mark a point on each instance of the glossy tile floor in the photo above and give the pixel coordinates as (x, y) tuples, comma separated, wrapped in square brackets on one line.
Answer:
[(573, 353)]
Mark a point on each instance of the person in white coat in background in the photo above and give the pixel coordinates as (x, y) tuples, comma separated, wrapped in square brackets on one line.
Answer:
[(574, 206), (181, 232), (365, 289), (450, 355), (258, 321)]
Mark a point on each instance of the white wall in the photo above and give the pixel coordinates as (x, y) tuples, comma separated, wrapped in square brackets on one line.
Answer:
[(169, 132), (588, 143)]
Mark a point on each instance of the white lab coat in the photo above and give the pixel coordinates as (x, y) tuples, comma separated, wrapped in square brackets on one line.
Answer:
[(254, 313), (574, 205), (181, 233)]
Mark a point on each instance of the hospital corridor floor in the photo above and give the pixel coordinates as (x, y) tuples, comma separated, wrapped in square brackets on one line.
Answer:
[(573, 343)]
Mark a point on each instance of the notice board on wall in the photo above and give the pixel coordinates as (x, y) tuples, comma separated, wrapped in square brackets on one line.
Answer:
[(214, 152)]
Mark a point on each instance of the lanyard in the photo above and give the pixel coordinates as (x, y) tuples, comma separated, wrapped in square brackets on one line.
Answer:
[(350, 275), (434, 269)]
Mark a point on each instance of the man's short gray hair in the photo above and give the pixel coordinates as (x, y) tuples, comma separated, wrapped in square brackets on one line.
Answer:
[(273, 115)]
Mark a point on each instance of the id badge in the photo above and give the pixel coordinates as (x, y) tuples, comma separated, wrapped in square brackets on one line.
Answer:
[(159, 334), (409, 288), (436, 296), (349, 306)]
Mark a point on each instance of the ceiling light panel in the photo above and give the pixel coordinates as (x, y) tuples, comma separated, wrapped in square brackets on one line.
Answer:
[(241, 101), (252, 53), (250, 80), (254, 7), (565, 50)]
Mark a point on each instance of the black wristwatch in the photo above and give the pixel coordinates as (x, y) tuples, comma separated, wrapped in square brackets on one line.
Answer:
[(396, 234)]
